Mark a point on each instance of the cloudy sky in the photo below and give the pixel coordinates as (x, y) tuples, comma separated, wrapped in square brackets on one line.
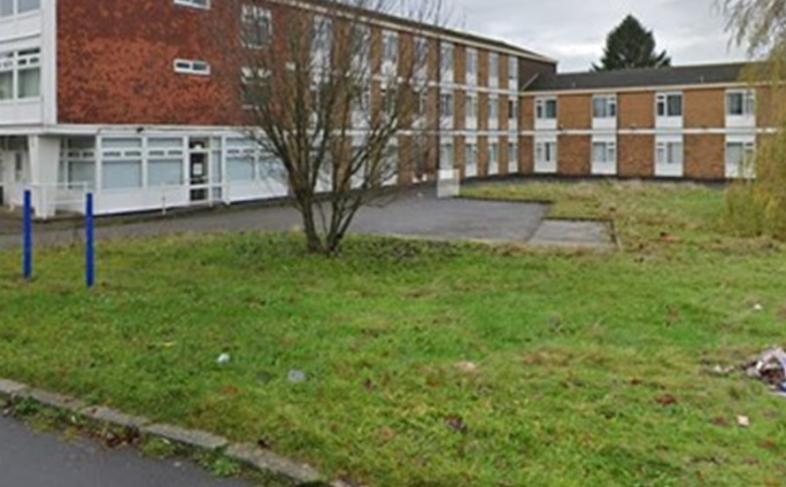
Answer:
[(574, 31)]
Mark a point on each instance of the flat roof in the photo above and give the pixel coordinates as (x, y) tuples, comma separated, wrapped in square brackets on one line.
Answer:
[(632, 78)]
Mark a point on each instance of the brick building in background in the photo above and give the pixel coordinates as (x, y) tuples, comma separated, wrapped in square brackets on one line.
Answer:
[(129, 100)]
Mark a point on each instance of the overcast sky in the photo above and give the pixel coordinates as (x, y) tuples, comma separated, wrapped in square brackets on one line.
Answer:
[(574, 31)]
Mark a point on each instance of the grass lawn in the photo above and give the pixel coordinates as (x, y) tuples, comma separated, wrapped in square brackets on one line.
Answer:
[(591, 369)]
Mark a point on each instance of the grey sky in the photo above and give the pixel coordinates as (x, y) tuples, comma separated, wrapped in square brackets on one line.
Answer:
[(574, 31)]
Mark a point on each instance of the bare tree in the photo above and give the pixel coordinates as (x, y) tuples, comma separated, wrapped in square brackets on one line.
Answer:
[(329, 95)]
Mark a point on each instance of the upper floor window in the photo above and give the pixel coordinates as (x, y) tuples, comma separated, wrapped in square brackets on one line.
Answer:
[(446, 58), (741, 103), (14, 7), (390, 47), (513, 73), (513, 109), (203, 4), (546, 108), (472, 62), (604, 106), (446, 105), (20, 74), (187, 66), (493, 66), (472, 105), (669, 104), (257, 26), (493, 104)]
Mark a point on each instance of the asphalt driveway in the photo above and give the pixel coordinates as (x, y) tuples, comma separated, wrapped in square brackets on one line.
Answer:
[(414, 214)]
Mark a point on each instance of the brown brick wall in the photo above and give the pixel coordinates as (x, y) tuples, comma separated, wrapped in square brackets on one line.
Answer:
[(503, 113), (503, 156), (526, 155), (636, 110), (460, 64), (483, 155), (704, 108), (574, 155), (483, 111), (460, 109), (527, 113), (459, 153), (483, 67), (705, 156), (574, 112), (636, 155), (503, 71)]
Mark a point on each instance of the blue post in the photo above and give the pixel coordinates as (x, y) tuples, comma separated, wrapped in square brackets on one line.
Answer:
[(27, 236), (90, 270)]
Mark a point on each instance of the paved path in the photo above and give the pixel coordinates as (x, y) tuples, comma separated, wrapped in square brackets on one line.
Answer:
[(416, 213), (28, 459)]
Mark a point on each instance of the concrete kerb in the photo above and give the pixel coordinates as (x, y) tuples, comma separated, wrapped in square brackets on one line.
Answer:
[(251, 455)]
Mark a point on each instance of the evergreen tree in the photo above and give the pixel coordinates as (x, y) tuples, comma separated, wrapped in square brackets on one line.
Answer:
[(630, 45)]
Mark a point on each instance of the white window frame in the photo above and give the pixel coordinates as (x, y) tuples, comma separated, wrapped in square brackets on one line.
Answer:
[(447, 109), (390, 52), (546, 155), (668, 119), (513, 74), (542, 121), (471, 111), (493, 112), (493, 69), (191, 67), (492, 166), (607, 165), (664, 166), (471, 163), (197, 4), (447, 62), (16, 12), (254, 14), (735, 170), (749, 105), (608, 118), (472, 66), (15, 62), (513, 155)]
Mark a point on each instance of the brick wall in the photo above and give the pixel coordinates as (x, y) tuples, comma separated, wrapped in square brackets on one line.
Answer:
[(526, 154), (459, 154), (527, 113), (636, 155), (705, 156), (574, 155), (483, 155), (503, 156), (705, 108), (483, 67), (574, 112), (636, 110), (460, 64), (459, 109)]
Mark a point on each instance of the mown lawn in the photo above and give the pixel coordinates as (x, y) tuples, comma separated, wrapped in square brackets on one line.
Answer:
[(592, 369)]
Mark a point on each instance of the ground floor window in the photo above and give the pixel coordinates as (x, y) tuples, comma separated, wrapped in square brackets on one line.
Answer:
[(546, 152), (513, 152), (604, 152), (670, 153), (740, 157)]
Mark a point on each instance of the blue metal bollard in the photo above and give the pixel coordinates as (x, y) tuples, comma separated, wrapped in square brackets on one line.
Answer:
[(90, 269), (27, 236)]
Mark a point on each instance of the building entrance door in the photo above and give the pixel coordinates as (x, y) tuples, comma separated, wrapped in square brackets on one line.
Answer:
[(198, 176)]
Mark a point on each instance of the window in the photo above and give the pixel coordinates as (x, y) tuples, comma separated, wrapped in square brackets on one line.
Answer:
[(446, 58), (513, 152), (738, 154), (513, 109), (669, 105), (493, 108), (604, 152), (203, 4), (472, 105), (13, 7), (241, 154), (122, 163), (78, 161), (165, 161), (256, 25), (472, 63), (493, 152), (546, 108), (471, 152), (446, 155), (446, 105), (20, 74), (390, 47), (322, 40), (546, 152), (493, 67), (513, 73), (669, 153), (198, 68), (604, 106), (741, 103)]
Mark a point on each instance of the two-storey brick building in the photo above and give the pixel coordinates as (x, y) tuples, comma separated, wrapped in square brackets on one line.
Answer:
[(129, 100)]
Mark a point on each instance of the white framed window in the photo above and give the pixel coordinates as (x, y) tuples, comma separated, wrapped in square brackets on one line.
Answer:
[(493, 104), (201, 4), (740, 157), (670, 153), (741, 103), (20, 74), (513, 153), (668, 105), (420, 68), (121, 165), (546, 153), (472, 66), (446, 153), (546, 108), (390, 47), (446, 61), (9, 8), (513, 109), (471, 159), (513, 73), (446, 105), (257, 26), (493, 69), (604, 106), (472, 106), (322, 40), (493, 156), (604, 152), (192, 67)]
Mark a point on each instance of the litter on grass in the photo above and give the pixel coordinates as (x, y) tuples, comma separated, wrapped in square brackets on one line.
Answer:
[(770, 368)]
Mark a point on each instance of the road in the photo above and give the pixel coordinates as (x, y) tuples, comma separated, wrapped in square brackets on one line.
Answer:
[(29, 459)]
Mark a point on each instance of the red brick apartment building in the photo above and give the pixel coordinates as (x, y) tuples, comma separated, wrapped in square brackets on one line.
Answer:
[(126, 100)]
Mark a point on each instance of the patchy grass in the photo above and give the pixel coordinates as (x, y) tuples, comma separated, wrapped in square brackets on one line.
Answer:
[(591, 369)]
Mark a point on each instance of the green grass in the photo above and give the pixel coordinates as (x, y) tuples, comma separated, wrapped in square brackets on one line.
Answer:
[(575, 352)]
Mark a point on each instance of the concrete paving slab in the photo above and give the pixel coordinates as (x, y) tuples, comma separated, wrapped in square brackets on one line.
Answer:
[(573, 234)]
